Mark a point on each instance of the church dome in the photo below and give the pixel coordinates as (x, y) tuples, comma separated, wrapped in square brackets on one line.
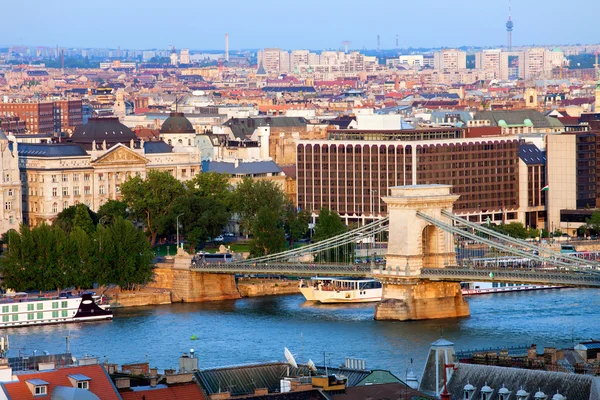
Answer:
[(177, 123), (101, 129)]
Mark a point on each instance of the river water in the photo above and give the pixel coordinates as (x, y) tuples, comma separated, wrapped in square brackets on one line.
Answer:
[(257, 329)]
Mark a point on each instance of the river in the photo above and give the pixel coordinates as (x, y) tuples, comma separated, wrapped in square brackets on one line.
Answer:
[(256, 330)]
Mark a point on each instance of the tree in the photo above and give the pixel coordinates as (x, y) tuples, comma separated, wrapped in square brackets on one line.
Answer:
[(592, 224), (151, 201), (296, 223), (328, 225), (83, 220), (211, 184), (514, 229), (126, 256), (250, 196), (268, 234), (112, 209), (66, 218), (85, 268)]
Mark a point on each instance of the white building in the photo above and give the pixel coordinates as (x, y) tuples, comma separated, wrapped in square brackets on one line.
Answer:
[(489, 62), (450, 60)]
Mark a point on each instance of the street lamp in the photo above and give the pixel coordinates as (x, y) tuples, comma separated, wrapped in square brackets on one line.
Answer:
[(177, 222), (373, 192)]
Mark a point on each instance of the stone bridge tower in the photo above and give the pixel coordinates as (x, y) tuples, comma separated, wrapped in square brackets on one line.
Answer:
[(415, 244)]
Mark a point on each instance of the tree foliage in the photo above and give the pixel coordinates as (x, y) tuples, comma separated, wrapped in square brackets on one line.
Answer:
[(592, 224), (296, 223), (50, 258), (66, 218), (111, 210), (268, 234), (329, 224), (151, 201)]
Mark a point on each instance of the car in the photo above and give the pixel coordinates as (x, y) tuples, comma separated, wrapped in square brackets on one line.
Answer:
[(219, 238), (228, 234)]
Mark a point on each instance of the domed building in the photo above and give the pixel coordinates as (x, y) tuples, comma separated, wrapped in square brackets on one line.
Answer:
[(178, 131)]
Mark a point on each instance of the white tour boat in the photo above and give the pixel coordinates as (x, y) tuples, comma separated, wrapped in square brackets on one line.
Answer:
[(473, 288), (341, 290), (23, 309)]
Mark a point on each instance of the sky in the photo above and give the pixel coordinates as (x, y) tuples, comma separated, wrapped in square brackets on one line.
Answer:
[(294, 24)]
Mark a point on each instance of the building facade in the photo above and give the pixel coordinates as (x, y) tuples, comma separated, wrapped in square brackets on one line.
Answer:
[(350, 177)]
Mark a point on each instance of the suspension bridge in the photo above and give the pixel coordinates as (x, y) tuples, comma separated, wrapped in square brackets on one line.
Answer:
[(419, 253)]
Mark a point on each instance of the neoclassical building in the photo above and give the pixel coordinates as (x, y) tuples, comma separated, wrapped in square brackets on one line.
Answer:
[(90, 167)]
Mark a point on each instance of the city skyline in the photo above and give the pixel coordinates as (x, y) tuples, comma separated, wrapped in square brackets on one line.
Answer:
[(266, 23)]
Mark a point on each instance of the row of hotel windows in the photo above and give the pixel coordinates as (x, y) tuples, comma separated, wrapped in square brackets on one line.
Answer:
[(65, 177), (76, 192), (33, 207)]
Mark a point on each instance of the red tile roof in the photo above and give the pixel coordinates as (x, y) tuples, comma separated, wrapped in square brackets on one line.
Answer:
[(99, 384), (189, 391)]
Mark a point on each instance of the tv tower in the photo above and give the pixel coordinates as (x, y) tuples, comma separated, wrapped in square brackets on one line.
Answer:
[(509, 28)]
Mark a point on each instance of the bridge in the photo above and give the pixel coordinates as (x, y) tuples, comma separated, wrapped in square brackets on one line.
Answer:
[(429, 250)]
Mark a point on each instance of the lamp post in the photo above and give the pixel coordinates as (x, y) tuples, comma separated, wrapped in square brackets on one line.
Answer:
[(373, 193), (177, 222)]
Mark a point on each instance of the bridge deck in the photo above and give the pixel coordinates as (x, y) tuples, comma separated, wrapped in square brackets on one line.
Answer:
[(453, 274)]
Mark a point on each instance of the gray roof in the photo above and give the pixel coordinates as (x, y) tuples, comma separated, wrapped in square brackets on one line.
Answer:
[(531, 155), (572, 386), (51, 150), (243, 168), (244, 127), (244, 379), (158, 146), (517, 118)]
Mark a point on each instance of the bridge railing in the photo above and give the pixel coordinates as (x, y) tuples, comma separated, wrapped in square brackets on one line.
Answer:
[(293, 269)]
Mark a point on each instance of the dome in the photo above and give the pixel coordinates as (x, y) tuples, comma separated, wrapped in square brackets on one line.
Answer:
[(177, 123), (522, 393), (469, 388), (558, 396), (503, 390), (557, 50), (486, 389), (540, 395), (101, 129)]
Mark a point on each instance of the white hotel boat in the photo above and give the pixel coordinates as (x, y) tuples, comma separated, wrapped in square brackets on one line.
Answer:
[(473, 288), (341, 290), (22, 309)]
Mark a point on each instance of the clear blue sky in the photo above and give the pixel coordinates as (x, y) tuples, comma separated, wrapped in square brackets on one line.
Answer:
[(312, 24)]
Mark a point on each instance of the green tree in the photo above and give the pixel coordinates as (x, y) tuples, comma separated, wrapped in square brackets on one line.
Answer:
[(211, 184), (592, 224), (126, 256), (296, 223), (66, 218), (268, 234), (251, 195), (328, 225), (85, 268), (514, 229), (83, 220), (112, 209), (533, 233), (151, 201)]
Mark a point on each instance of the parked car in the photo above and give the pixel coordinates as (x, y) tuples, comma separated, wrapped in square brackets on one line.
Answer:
[(228, 234), (219, 238)]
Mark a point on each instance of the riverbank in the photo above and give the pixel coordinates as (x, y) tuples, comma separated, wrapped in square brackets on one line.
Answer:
[(266, 287)]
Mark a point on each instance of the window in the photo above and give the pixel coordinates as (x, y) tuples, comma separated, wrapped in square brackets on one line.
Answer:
[(65, 205), (15, 317), (15, 308), (30, 307), (7, 178), (4, 309), (55, 304), (10, 192), (54, 192), (101, 189), (54, 314), (30, 316), (40, 306), (54, 180), (54, 208), (65, 191), (64, 313), (83, 385), (100, 177), (76, 191), (39, 390), (75, 177), (64, 304), (86, 177), (8, 205), (86, 190), (5, 318), (40, 315), (65, 178)]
